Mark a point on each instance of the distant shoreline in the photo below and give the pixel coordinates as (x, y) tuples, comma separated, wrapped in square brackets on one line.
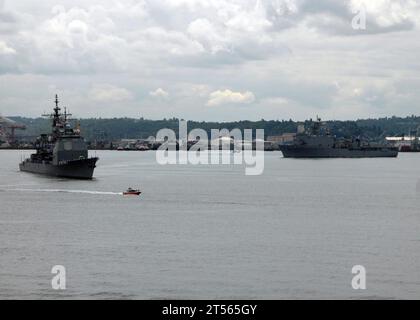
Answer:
[(130, 128)]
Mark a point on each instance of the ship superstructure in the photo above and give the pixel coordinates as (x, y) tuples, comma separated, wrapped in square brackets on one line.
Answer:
[(63, 152), (317, 142)]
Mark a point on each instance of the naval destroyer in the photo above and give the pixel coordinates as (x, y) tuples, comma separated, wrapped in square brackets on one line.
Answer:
[(62, 153), (317, 142)]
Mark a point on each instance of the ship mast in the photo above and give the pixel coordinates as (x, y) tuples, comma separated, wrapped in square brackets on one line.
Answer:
[(57, 109), (60, 124), (56, 117)]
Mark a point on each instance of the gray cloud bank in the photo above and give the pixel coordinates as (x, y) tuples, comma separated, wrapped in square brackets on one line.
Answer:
[(211, 59)]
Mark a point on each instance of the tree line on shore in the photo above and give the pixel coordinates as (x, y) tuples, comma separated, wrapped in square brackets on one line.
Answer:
[(98, 129)]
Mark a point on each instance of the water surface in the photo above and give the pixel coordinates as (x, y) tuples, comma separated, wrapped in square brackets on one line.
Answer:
[(211, 232)]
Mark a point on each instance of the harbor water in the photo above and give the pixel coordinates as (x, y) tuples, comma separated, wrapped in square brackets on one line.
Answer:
[(211, 232)]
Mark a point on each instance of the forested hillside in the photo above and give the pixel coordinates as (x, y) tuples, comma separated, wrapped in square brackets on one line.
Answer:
[(127, 128)]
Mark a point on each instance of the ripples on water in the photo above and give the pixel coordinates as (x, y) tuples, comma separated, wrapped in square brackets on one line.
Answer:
[(212, 232)]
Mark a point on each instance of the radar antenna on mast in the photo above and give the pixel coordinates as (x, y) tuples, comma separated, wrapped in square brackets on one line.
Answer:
[(66, 115), (56, 115)]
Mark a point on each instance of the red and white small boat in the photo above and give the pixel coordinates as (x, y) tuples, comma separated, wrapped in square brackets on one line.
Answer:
[(132, 192)]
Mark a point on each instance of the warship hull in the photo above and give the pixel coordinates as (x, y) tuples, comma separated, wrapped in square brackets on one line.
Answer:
[(315, 152), (76, 169)]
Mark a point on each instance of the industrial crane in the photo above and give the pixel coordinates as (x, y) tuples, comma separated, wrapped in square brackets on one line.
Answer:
[(8, 128)]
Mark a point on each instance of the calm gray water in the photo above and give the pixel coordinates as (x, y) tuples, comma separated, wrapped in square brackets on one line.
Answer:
[(212, 232)]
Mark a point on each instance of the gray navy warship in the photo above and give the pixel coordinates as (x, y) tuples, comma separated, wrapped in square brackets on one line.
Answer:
[(317, 142), (63, 153)]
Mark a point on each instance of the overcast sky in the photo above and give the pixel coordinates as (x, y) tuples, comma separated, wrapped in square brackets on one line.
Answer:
[(211, 59)]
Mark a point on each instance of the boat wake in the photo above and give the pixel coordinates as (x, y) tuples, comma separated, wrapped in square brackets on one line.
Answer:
[(67, 191)]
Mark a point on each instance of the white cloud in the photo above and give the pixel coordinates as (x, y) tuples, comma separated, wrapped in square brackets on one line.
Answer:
[(253, 20), (159, 93), (220, 97), (203, 31), (5, 49), (387, 13), (109, 93), (382, 16), (77, 26)]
